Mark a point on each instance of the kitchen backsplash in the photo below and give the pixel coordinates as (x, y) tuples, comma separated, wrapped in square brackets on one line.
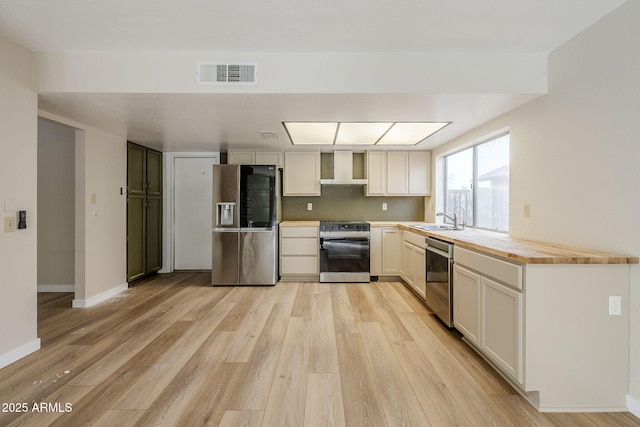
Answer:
[(347, 202)]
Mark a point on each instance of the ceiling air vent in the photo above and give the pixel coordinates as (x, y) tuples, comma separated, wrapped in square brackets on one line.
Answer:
[(215, 73)]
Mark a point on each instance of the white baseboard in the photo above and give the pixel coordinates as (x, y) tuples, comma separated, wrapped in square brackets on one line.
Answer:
[(101, 297), (18, 353), (56, 288), (633, 405)]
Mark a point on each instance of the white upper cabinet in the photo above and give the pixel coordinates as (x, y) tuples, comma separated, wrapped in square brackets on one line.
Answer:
[(419, 173), (241, 157), (269, 158), (398, 173), (375, 171), (301, 173), (254, 158)]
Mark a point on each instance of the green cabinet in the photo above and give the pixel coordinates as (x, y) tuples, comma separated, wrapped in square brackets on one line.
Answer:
[(144, 211)]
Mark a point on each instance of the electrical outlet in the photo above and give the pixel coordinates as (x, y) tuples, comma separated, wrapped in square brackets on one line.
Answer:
[(615, 305), (309, 206), (527, 210), (384, 206), (9, 224)]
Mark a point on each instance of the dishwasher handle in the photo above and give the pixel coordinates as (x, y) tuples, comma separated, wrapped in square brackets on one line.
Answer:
[(440, 247), (438, 251)]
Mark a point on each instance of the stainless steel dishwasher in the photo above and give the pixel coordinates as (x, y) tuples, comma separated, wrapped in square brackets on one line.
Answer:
[(439, 288)]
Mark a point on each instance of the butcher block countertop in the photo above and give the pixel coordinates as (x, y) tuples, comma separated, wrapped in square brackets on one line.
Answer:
[(500, 244), (524, 251), (300, 224)]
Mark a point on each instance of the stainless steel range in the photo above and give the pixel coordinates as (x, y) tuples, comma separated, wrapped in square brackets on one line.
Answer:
[(344, 251)]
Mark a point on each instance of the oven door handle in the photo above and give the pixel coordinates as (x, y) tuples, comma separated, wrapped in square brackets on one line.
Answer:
[(437, 251)]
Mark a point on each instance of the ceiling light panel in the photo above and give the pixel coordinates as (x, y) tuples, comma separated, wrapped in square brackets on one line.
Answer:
[(311, 133), (410, 133), (360, 133)]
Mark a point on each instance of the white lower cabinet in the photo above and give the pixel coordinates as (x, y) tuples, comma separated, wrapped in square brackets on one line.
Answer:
[(384, 252), (375, 251), (390, 251), (406, 272), (502, 326), (299, 253), (414, 263), (546, 327), (488, 312), (466, 303)]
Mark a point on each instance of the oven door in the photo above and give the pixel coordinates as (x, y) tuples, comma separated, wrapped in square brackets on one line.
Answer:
[(344, 259), (439, 292)]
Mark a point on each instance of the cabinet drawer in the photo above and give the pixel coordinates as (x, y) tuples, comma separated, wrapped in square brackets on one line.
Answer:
[(299, 265), (414, 239), (299, 232), (504, 271), (299, 246)]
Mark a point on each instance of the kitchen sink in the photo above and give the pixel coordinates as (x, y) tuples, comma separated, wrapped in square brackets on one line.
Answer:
[(435, 227)]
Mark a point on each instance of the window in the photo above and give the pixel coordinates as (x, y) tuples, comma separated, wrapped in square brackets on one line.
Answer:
[(476, 185)]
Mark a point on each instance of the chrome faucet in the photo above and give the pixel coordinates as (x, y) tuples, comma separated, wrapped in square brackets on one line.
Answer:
[(454, 219), (463, 213)]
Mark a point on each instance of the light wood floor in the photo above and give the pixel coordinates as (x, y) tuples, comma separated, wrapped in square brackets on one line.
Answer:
[(174, 351)]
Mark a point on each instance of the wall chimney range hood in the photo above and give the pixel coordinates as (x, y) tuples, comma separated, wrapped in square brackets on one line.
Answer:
[(343, 170)]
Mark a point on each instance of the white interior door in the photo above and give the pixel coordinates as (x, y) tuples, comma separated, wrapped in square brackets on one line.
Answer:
[(192, 212)]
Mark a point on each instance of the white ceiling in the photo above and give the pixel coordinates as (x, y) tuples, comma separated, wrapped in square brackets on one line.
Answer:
[(203, 122)]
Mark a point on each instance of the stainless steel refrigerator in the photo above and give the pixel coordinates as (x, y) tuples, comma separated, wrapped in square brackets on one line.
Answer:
[(244, 236)]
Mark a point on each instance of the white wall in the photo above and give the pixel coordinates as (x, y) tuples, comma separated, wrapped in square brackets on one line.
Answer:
[(100, 169), (56, 206), (188, 210), (106, 219), (575, 152), (100, 212), (162, 72), (18, 183)]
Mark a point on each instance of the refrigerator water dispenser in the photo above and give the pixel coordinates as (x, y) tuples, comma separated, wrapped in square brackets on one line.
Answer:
[(225, 213)]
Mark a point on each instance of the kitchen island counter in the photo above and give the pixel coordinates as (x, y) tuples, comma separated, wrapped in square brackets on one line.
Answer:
[(533, 309)]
